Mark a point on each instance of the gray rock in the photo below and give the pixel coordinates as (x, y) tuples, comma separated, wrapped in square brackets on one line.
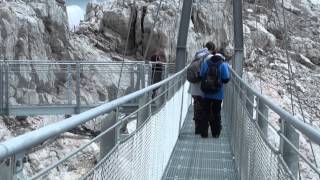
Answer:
[(304, 61), (314, 55), (260, 36), (30, 98)]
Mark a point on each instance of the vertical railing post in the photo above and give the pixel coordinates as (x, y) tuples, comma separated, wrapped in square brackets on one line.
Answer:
[(142, 76), (117, 129), (139, 81), (182, 103), (249, 103), (1, 90), (69, 84), (166, 86), (144, 112), (12, 168), (6, 169), (18, 166), (108, 141), (7, 88), (238, 36), (131, 75), (290, 156), (233, 108), (78, 88), (263, 117)]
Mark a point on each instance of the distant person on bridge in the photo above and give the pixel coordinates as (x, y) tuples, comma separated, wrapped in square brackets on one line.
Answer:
[(214, 73), (193, 76), (157, 60)]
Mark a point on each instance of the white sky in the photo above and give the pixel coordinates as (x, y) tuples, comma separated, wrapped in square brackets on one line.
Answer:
[(75, 14)]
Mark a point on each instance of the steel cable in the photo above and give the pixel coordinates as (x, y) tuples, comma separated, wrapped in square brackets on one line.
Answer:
[(151, 31), (126, 49), (292, 79)]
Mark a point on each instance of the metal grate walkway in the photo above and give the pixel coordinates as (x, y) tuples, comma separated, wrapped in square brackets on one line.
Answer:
[(198, 158)]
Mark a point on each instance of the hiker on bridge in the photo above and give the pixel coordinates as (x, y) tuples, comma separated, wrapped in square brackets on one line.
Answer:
[(157, 60), (214, 73), (193, 77)]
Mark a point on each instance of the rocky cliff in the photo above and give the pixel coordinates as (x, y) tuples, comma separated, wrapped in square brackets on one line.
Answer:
[(274, 34)]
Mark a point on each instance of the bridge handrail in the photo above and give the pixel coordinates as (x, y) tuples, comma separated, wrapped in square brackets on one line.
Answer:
[(310, 131), (67, 62), (36, 137)]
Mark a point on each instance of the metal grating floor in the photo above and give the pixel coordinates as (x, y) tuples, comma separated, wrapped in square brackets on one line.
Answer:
[(199, 158)]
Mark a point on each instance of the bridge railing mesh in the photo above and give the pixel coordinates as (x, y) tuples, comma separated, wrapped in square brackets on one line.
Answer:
[(145, 154), (264, 138), (72, 84), (141, 153)]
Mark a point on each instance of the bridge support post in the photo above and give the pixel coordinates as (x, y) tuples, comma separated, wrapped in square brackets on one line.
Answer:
[(238, 36), (1, 90), (78, 88), (290, 156), (244, 158), (181, 54), (7, 88), (145, 112), (249, 102), (6, 169), (109, 140), (263, 117), (12, 168), (182, 104), (69, 83)]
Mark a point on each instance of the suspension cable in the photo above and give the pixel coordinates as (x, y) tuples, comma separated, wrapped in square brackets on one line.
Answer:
[(126, 49), (292, 78), (151, 31), (259, 61), (127, 41)]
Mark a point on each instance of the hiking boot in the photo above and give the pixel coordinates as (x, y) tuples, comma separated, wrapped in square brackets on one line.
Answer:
[(197, 131), (215, 135), (204, 135)]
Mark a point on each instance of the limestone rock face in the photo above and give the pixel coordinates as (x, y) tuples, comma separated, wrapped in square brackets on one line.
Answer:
[(260, 36), (137, 23), (38, 30), (314, 55), (34, 30)]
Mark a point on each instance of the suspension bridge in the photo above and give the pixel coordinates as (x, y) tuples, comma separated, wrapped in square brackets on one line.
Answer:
[(163, 144)]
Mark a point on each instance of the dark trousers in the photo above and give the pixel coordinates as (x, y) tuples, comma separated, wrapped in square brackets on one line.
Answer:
[(211, 115), (197, 105)]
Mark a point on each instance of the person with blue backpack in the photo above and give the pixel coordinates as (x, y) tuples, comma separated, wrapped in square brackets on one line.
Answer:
[(214, 73), (193, 76)]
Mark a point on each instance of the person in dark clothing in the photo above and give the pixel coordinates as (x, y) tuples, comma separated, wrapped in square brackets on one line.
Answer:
[(211, 114), (157, 70)]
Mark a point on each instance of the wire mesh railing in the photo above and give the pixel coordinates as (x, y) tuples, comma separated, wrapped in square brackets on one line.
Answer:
[(74, 85), (141, 154), (265, 138)]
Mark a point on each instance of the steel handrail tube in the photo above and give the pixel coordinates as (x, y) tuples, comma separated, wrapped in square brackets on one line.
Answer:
[(308, 130), (33, 138)]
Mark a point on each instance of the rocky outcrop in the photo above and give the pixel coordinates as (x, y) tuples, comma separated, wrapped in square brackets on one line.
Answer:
[(34, 30), (119, 23), (296, 41), (38, 30)]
